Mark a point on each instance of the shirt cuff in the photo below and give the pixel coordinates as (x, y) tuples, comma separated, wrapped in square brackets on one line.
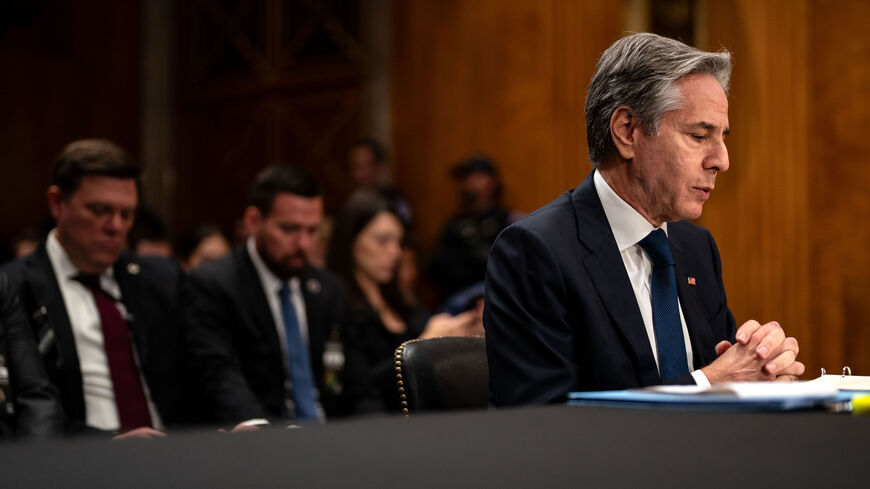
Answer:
[(258, 422), (701, 379)]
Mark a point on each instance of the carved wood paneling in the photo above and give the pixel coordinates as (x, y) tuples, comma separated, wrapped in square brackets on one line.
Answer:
[(261, 82)]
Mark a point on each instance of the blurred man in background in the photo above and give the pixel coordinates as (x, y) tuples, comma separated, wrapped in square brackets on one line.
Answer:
[(105, 320), (459, 261), (265, 328)]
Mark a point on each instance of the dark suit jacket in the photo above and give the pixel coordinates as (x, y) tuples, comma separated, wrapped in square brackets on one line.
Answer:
[(36, 402), (235, 346), (560, 313), (150, 292)]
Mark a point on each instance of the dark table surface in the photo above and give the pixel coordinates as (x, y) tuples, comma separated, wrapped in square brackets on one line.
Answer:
[(555, 446)]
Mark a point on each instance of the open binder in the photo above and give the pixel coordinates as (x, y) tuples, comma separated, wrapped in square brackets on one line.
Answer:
[(846, 381)]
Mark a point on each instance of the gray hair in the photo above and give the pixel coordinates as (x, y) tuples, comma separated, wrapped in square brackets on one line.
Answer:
[(641, 72)]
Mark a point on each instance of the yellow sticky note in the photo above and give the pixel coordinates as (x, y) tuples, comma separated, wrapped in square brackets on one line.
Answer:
[(861, 405)]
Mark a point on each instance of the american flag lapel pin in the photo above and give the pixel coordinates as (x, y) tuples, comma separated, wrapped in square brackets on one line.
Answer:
[(692, 281)]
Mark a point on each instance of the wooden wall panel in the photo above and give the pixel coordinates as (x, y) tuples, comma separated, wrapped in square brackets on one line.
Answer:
[(840, 176), (759, 210), (788, 214), (506, 79)]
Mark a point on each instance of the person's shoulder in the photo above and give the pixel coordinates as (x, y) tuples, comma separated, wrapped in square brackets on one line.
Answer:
[(13, 270), (156, 273), (550, 218), (20, 269), (320, 278), (223, 268), (147, 265)]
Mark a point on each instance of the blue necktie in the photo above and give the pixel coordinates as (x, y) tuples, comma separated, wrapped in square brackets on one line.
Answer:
[(300, 367), (666, 313)]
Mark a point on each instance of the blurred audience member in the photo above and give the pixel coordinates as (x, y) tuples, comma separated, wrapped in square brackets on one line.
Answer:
[(25, 242), (367, 164), (318, 254), (265, 328), (148, 235), (459, 259), (29, 403), (470, 297), (203, 243), (409, 274), (82, 291), (369, 168), (240, 231), (366, 251)]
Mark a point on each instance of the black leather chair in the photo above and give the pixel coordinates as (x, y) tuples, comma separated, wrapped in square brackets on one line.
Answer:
[(437, 374)]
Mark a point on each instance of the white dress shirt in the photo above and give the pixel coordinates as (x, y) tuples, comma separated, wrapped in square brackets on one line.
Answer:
[(101, 412), (629, 227), (271, 286)]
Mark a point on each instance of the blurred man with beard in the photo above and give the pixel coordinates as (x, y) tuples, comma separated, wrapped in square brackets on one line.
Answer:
[(264, 327)]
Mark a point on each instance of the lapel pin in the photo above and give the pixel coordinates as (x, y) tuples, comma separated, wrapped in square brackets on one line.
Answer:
[(313, 285), (133, 268), (40, 314), (691, 280)]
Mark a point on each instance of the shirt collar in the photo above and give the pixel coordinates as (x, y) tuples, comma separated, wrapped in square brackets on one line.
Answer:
[(270, 281), (627, 224), (61, 262)]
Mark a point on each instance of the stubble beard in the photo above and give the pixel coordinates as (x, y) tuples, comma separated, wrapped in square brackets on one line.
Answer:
[(283, 269)]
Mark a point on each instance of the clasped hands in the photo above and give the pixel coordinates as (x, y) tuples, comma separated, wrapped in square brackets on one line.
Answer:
[(762, 352)]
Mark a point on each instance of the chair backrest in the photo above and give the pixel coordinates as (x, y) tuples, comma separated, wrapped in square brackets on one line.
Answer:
[(436, 374)]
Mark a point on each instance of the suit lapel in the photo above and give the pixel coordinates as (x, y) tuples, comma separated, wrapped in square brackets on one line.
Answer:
[(699, 330), (126, 271), (312, 291), (53, 331), (253, 298), (49, 314), (607, 271)]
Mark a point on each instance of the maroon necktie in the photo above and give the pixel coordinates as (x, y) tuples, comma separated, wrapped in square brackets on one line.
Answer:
[(129, 394)]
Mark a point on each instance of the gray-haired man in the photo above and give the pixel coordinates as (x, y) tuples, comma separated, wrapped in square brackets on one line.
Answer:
[(608, 286)]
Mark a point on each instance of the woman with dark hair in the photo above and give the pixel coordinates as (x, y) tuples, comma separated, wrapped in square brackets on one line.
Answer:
[(365, 251), (205, 242)]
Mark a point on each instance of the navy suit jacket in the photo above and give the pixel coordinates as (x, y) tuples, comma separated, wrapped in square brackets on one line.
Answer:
[(560, 313), (150, 293), (235, 346)]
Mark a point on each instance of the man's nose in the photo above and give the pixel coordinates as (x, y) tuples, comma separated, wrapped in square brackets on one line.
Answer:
[(307, 241), (114, 223), (718, 159), (396, 250)]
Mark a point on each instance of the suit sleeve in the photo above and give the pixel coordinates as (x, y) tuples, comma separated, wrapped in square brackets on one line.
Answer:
[(529, 340), (213, 356), (37, 402), (726, 325)]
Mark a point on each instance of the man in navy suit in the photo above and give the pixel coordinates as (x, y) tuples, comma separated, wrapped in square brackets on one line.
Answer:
[(609, 286), (105, 320), (239, 342)]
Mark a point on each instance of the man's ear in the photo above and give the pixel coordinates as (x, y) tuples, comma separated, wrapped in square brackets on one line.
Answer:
[(623, 129), (55, 198), (252, 218)]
